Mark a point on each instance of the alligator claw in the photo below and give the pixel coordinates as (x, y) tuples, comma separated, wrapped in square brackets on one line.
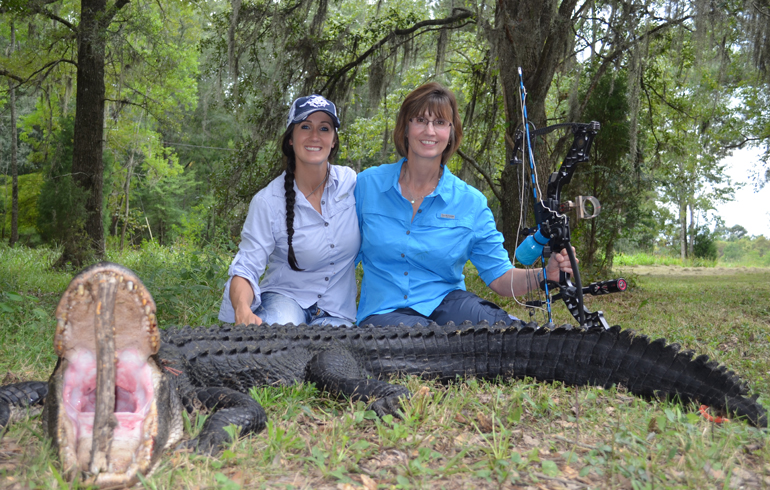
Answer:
[(389, 405)]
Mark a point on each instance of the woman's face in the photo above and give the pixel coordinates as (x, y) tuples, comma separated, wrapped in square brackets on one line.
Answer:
[(313, 139), (428, 136)]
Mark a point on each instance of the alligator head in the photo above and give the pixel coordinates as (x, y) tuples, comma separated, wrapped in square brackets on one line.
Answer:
[(109, 420)]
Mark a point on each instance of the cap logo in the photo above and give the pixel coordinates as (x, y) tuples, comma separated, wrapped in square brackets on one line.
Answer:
[(315, 101)]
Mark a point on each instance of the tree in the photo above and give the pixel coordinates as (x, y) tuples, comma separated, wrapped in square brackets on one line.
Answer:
[(14, 155), (136, 76)]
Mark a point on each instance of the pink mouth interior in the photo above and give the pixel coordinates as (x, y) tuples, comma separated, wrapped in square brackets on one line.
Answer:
[(133, 395)]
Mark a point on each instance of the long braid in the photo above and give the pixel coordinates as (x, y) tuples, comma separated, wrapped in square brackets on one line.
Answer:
[(288, 186)]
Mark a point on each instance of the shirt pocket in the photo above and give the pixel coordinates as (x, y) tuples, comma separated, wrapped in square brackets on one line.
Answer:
[(340, 204), (443, 244)]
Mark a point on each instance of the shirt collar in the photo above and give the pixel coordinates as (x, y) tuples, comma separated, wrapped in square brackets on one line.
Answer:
[(441, 189), (332, 184)]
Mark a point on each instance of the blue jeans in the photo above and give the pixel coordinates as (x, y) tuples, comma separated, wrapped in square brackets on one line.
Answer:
[(458, 306), (280, 309)]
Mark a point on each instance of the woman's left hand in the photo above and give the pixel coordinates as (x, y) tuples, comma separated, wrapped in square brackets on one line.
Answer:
[(559, 262)]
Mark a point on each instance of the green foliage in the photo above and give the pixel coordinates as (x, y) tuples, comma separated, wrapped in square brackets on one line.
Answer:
[(61, 204), (704, 246), (746, 251), (609, 175)]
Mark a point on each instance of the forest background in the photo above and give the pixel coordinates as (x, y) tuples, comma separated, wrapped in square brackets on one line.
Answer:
[(125, 122)]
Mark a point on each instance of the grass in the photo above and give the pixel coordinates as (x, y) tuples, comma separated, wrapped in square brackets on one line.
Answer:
[(470, 434)]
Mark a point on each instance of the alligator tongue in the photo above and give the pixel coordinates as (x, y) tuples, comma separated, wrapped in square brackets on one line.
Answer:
[(104, 413)]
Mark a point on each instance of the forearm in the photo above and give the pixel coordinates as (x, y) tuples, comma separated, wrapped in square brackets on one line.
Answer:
[(241, 294), (517, 282)]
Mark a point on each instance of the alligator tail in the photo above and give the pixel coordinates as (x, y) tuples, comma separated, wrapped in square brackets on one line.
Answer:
[(648, 368), (20, 399)]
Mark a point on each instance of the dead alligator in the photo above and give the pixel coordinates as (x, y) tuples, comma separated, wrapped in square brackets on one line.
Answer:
[(160, 373)]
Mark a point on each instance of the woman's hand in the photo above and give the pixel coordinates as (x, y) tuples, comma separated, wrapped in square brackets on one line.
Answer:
[(246, 317), (241, 296), (559, 263)]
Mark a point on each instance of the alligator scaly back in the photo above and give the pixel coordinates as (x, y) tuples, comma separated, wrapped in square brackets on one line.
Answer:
[(244, 356)]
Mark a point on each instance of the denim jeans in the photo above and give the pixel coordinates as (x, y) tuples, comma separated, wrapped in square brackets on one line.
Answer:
[(458, 306), (280, 309)]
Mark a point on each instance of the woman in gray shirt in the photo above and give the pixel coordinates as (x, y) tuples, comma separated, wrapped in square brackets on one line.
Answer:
[(303, 228)]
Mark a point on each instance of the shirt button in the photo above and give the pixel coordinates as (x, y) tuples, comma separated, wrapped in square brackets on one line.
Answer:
[(408, 232), (405, 296), (331, 263), (326, 278), (332, 245), (323, 202), (402, 255), (319, 295), (406, 273), (326, 224), (419, 210)]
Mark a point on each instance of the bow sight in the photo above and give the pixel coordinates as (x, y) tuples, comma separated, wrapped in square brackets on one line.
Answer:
[(553, 222)]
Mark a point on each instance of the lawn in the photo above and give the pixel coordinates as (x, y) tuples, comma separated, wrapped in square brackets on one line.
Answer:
[(470, 434)]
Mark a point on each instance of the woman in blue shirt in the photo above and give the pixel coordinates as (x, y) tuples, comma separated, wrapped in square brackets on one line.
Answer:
[(420, 225), (301, 228)]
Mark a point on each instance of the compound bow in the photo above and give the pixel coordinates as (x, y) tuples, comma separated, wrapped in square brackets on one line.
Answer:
[(553, 222)]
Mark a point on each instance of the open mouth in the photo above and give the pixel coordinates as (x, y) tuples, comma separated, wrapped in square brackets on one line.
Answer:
[(106, 317), (133, 397)]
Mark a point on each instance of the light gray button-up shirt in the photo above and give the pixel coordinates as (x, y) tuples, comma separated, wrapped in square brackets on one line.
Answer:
[(325, 246)]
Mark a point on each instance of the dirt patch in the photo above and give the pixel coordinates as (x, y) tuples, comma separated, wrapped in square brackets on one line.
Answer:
[(668, 270)]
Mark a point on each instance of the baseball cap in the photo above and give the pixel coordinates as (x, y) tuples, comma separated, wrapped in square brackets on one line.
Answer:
[(304, 106)]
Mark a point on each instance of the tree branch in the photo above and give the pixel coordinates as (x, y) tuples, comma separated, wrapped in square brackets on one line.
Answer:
[(484, 174), (745, 140), (623, 47), (461, 14), (48, 66), (38, 8)]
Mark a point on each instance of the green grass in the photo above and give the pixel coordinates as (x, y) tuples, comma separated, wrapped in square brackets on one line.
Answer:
[(469, 434)]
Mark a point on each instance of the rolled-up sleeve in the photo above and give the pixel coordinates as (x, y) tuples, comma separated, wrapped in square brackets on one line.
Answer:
[(257, 243)]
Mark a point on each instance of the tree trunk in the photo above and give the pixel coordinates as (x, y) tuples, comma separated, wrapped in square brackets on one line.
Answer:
[(535, 37), (87, 163), (129, 171), (14, 157), (88, 141), (691, 241), (683, 230)]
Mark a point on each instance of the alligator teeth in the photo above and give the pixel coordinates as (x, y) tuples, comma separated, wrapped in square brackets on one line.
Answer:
[(129, 285), (81, 290), (147, 310)]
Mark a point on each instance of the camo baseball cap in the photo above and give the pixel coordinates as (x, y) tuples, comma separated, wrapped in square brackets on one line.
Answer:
[(304, 106)]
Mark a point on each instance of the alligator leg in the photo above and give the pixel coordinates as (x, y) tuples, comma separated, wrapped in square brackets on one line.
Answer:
[(20, 399), (337, 372), (229, 407)]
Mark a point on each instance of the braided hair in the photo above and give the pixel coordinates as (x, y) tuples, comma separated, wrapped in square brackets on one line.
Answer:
[(288, 187)]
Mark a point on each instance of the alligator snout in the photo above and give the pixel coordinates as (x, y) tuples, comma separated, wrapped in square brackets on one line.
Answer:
[(102, 411)]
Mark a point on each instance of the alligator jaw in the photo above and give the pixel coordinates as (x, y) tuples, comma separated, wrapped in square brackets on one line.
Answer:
[(110, 423)]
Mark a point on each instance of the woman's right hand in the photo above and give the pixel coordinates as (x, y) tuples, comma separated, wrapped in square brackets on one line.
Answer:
[(247, 317), (241, 296)]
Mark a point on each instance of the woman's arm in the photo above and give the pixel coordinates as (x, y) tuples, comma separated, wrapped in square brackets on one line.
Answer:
[(516, 282), (242, 296)]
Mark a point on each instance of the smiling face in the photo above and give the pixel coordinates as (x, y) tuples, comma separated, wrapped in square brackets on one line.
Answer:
[(427, 139), (313, 139)]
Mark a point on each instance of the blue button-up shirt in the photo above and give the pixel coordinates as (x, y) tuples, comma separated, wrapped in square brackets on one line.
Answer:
[(325, 246), (415, 264)]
